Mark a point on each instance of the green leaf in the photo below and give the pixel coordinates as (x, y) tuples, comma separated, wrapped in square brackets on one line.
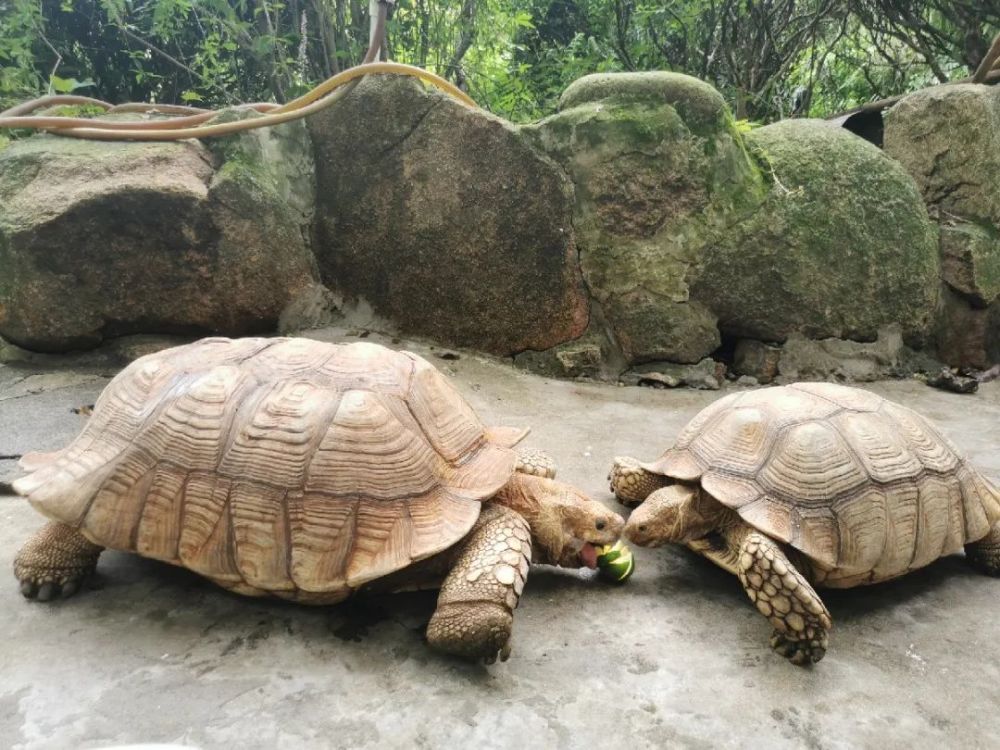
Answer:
[(191, 96), (67, 85)]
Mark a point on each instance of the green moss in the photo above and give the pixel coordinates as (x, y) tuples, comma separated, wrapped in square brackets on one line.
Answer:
[(841, 246), (73, 110), (698, 103), (659, 168), (241, 147), (971, 258)]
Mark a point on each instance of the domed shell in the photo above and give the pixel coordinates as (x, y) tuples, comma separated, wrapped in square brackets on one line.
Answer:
[(865, 487), (289, 466)]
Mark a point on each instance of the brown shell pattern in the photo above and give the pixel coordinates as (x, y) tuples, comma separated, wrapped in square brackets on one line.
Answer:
[(865, 487), (288, 466)]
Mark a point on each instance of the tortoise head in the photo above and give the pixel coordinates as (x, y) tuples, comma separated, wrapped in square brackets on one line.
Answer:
[(566, 525), (672, 514)]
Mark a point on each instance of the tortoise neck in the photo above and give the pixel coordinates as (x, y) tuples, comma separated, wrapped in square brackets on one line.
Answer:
[(522, 494)]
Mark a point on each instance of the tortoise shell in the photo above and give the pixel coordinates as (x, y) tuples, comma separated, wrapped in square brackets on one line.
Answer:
[(288, 466), (866, 488)]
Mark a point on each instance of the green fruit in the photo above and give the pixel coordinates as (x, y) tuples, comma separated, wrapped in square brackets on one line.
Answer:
[(615, 563)]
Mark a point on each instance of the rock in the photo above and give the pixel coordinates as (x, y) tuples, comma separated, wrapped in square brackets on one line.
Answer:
[(697, 103), (446, 220), (590, 356), (970, 260), (756, 359), (650, 328), (964, 334), (313, 307), (993, 334), (747, 381), (657, 164), (948, 139), (100, 239), (947, 380), (9, 471), (841, 246), (706, 375), (129, 348), (848, 361), (989, 375)]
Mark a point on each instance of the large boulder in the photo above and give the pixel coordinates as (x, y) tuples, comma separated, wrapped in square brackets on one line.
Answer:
[(101, 239), (948, 139), (445, 220), (657, 164), (841, 246)]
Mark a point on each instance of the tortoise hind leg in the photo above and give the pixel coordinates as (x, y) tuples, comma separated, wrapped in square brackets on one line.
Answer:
[(475, 610), (631, 483), (54, 562), (782, 594), (984, 555)]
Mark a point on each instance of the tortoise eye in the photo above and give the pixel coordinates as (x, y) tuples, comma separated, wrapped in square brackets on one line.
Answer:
[(600, 525)]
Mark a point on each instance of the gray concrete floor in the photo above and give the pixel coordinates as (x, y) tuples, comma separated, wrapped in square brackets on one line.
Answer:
[(676, 658)]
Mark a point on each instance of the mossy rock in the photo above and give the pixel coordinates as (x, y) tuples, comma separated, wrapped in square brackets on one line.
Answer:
[(658, 168), (970, 258), (841, 247), (948, 139), (100, 239), (698, 104)]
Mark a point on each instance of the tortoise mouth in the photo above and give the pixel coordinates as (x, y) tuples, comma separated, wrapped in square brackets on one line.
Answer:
[(578, 554)]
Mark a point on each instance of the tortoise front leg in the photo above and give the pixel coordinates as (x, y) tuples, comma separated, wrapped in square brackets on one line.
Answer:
[(475, 610), (54, 562), (783, 595), (631, 483), (536, 463)]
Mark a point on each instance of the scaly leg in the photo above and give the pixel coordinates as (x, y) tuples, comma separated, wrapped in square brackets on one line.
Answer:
[(984, 555), (631, 483), (475, 610), (782, 594), (54, 562), (535, 462)]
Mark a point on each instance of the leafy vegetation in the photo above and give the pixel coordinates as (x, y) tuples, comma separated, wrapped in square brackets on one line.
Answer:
[(770, 58)]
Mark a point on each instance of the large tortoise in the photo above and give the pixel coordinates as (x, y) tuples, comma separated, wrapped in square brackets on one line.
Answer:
[(308, 471), (811, 484)]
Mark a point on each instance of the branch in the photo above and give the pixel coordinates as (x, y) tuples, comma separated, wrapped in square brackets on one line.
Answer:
[(174, 60), (465, 39), (992, 78), (987, 62)]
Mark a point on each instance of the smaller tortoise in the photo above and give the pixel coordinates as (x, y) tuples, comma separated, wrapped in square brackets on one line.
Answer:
[(308, 471), (811, 484)]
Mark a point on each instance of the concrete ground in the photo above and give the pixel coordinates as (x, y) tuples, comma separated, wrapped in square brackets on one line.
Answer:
[(675, 658)]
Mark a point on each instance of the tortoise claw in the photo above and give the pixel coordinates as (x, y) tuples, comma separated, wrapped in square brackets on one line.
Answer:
[(800, 652), (47, 592)]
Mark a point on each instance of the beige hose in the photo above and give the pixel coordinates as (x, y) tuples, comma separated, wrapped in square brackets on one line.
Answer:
[(189, 125)]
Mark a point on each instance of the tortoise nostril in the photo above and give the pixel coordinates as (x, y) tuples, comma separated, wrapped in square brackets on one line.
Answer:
[(643, 528)]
